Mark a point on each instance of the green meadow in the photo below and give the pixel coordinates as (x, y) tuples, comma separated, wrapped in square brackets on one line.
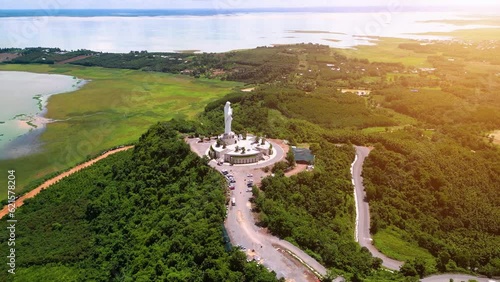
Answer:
[(394, 243), (387, 50), (477, 34), (114, 108)]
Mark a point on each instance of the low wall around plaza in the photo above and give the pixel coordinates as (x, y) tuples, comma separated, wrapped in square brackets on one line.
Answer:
[(245, 159)]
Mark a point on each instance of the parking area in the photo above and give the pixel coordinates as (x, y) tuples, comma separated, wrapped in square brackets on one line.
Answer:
[(256, 242)]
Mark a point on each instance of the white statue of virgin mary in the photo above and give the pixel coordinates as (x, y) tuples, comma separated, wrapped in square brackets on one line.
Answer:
[(228, 117)]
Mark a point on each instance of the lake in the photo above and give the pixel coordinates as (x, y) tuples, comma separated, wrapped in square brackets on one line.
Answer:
[(123, 31), (23, 97)]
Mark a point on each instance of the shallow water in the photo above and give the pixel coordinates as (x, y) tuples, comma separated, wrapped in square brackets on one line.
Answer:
[(23, 97)]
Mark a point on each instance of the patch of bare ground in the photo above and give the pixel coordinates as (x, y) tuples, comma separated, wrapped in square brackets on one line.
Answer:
[(308, 275), (296, 170), (5, 57), (496, 137), (74, 59), (248, 89)]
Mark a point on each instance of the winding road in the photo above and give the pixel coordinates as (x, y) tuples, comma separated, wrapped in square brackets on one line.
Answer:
[(362, 233)]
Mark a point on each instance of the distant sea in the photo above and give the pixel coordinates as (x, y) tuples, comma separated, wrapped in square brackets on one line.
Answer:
[(216, 30), (196, 12)]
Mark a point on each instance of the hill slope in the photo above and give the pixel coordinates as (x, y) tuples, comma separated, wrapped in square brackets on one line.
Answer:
[(154, 214)]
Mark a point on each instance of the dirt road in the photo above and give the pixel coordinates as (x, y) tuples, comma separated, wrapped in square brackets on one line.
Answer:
[(19, 202)]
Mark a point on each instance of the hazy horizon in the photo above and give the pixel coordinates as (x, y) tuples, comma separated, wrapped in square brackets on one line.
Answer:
[(233, 4)]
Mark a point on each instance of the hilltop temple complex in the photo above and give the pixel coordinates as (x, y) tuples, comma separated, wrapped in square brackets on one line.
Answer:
[(237, 149)]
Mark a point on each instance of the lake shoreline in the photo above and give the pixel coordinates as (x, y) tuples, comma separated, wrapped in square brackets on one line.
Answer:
[(20, 132)]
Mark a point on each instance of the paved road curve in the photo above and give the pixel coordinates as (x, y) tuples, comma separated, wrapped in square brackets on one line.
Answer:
[(363, 211), (456, 278), (363, 225)]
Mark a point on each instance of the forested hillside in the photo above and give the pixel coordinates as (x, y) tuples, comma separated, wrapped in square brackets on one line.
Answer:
[(314, 210), (432, 178), (152, 214), (440, 196)]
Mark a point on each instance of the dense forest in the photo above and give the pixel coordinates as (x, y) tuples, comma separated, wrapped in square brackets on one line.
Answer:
[(314, 210), (450, 194), (154, 213)]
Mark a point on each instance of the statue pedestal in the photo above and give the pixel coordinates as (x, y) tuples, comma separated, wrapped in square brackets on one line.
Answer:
[(229, 139)]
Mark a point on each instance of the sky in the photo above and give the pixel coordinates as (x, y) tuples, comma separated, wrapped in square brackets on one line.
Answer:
[(229, 4)]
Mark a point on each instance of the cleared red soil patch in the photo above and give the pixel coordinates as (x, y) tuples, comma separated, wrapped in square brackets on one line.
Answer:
[(19, 202)]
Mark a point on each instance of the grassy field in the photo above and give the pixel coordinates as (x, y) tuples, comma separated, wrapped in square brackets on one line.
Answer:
[(470, 34), (386, 50), (391, 77), (392, 244), (47, 273), (114, 108)]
